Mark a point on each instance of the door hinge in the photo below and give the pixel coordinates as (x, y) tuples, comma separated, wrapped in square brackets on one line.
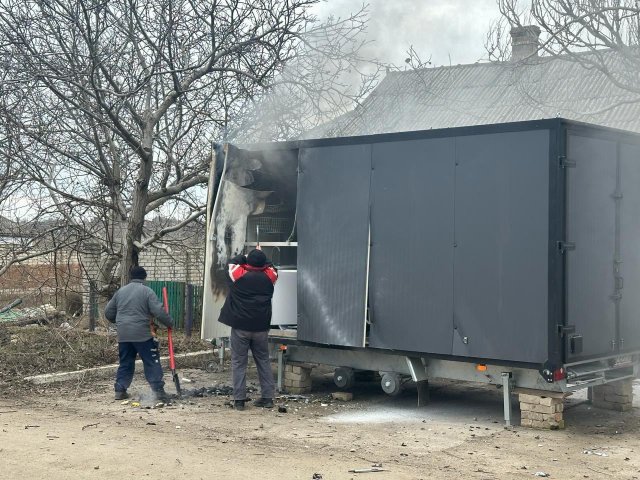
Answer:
[(566, 246), (565, 162), (566, 329)]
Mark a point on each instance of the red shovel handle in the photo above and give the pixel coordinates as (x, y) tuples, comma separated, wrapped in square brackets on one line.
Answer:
[(165, 301)]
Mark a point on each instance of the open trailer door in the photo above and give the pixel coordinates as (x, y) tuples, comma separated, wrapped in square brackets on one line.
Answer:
[(333, 243)]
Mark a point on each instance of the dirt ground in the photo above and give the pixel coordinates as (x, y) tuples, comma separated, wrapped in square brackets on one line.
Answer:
[(77, 431)]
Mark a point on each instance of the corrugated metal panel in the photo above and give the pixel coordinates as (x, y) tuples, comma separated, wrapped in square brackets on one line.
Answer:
[(591, 226), (502, 238), (333, 239), (630, 248), (411, 280), (444, 97)]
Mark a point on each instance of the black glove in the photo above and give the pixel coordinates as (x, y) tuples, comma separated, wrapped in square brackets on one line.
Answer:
[(238, 260)]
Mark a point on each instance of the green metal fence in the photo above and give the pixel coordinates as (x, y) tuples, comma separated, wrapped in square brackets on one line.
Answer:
[(175, 294), (185, 303)]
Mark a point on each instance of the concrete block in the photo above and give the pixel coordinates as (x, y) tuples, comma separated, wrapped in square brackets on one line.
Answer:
[(618, 407), (623, 387), (540, 393), (532, 416), (526, 422), (343, 396), (532, 399), (549, 401), (552, 417), (527, 407), (613, 397), (546, 425)]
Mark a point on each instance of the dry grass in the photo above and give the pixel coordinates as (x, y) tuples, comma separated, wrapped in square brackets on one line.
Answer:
[(37, 350)]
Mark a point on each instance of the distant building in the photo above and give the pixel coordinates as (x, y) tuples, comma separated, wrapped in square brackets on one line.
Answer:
[(527, 87)]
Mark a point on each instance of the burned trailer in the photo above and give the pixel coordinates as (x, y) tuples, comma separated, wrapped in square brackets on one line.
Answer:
[(505, 254)]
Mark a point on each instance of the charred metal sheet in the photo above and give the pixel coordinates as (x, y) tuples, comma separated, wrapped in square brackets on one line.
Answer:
[(333, 232), (246, 179), (591, 211), (411, 280), (502, 246)]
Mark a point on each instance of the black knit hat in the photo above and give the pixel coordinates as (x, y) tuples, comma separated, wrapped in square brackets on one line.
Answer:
[(256, 258), (138, 273)]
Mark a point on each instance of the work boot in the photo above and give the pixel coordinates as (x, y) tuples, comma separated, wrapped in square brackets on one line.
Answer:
[(264, 402), (161, 395), (121, 395), (238, 405)]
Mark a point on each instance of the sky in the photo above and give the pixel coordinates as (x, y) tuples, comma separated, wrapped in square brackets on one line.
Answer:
[(449, 31)]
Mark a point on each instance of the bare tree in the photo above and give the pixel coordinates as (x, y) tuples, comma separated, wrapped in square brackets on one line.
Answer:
[(599, 34), (115, 104)]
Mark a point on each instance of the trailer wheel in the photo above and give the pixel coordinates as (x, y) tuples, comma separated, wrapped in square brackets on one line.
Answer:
[(391, 383), (343, 377)]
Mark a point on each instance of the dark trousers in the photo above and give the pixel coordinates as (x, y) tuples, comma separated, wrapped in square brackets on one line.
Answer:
[(148, 352), (241, 342)]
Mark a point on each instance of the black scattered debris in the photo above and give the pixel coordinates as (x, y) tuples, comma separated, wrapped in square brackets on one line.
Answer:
[(214, 391), (26, 427), (282, 409), (317, 476), (294, 398)]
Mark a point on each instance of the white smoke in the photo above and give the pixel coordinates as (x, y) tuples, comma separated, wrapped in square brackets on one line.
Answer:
[(436, 28)]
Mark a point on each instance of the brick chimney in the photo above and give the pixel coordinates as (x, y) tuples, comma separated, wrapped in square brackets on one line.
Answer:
[(524, 42)]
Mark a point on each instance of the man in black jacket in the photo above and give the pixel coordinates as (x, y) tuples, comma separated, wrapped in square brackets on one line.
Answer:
[(247, 310)]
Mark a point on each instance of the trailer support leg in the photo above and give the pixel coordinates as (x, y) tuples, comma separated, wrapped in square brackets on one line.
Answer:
[(221, 354), (506, 391), (280, 370), (423, 392), (419, 375)]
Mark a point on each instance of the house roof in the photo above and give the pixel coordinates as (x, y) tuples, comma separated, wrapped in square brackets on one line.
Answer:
[(6, 226), (487, 93)]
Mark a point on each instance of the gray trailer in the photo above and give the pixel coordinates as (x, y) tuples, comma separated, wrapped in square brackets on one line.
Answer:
[(506, 254)]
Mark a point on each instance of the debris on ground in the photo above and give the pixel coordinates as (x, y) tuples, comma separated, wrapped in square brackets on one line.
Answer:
[(214, 391), (367, 470), (342, 396), (42, 315), (294, 398), (541, 474), (282, 409), (595, 452), (317, 476)]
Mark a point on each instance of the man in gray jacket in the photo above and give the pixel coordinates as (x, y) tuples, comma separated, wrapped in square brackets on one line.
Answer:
[(130, 309)]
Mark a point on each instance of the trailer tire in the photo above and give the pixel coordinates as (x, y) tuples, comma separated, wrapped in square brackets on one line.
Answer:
[(391, 383), (344, 377)]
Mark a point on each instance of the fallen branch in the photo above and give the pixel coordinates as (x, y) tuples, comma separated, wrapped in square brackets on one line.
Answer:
[(28, 320)]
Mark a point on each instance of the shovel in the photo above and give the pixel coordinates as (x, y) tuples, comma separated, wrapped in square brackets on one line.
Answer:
[(172, 360)]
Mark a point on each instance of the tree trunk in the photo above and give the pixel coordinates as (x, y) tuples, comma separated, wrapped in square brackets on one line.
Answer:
[(135, 222)]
